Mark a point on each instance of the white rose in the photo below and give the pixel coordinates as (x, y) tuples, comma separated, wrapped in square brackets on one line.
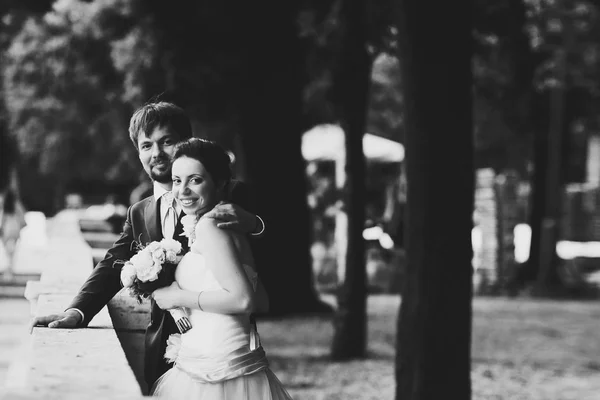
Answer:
[(128, 274), (171, 256), (145, 267), (150, 274), (171, 245), (152, 247), (158, 255)]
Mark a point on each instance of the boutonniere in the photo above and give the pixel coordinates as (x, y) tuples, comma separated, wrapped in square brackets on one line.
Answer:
[(189, 227)]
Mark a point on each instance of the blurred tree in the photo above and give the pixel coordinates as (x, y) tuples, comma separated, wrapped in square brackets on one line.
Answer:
[(7, 156), (62, 96), (385, 106), (567, 83), (351, 77), (345, 38), (507, 69), (271, 131), (184, 51), (12, 15), (503, 69), (434, 324), (320, 22), (515, 70)]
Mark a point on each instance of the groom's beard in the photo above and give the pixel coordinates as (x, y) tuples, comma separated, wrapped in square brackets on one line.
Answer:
[(162, 177), (160, 170)]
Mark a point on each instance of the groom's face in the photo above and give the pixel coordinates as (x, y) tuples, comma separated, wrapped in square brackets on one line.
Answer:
[(156, 152)]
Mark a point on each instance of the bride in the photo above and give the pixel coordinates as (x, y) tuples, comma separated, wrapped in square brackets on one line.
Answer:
[(220, 358)]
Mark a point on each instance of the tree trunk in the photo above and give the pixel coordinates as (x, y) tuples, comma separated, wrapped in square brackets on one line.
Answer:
[(538, 189), (434, 324), (547, 195), (351, 88), (529, 113), (270, 120), (7, 153), (549, 181), (547, 205)]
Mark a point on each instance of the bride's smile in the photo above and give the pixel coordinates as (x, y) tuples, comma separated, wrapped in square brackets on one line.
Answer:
[(187, 202), (193, 186)]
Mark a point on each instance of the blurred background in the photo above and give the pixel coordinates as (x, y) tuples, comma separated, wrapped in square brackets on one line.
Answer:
[(282, 93)]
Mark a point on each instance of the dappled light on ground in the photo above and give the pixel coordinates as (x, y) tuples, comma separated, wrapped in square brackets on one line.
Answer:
[(522, 349)]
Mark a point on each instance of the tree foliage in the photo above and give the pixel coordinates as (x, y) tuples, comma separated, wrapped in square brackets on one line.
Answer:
[(385, 114), (12, 14), (62, 97), (321, 25), (514, 65)]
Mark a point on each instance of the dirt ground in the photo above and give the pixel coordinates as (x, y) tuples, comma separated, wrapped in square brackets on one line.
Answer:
[(522, 350)]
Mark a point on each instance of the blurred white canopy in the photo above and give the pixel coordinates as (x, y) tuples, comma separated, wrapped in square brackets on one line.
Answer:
[(326, 142)]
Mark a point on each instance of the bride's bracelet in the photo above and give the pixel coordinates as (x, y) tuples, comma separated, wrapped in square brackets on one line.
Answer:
[(199, 306)]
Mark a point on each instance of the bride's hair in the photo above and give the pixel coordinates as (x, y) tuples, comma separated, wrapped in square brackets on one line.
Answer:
[(215, 159)]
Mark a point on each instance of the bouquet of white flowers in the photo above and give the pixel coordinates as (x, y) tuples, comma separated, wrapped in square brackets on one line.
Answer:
[(153, 267)]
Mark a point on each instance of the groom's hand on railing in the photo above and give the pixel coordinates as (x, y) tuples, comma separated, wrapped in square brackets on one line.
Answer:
[(67, 320)]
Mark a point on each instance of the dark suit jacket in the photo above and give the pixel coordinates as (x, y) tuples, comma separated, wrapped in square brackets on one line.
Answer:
[(143, 226)]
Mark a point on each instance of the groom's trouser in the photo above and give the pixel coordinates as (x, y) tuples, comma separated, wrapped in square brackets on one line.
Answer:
[(161, 326)]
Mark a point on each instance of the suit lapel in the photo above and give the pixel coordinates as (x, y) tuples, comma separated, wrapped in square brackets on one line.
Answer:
[(151, 217)]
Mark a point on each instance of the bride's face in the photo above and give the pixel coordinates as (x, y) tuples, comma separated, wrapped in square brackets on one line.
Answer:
[(193, 187)]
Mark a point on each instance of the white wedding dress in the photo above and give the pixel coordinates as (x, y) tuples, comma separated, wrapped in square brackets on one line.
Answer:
[(220, 358)]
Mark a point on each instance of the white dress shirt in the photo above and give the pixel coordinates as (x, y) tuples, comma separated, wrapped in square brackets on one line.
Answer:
[(159, 191)]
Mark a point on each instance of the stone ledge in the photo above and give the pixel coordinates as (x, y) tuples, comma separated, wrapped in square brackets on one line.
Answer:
[(127, 315), (72, 363), (16, 394)]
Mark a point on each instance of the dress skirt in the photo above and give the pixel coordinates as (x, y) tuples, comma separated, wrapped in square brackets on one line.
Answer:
[(242, 374), (261, 385)]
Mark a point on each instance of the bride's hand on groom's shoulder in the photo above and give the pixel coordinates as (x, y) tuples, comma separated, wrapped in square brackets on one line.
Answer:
[(66, 320)]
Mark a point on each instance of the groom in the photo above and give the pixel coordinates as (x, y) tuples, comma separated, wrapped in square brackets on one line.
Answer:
[(154, 129)]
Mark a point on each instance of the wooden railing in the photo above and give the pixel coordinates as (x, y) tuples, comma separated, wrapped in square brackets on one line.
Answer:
[(103, 361)]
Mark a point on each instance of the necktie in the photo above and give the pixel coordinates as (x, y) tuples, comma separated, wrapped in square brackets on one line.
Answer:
[(178, 235), (170, 220)]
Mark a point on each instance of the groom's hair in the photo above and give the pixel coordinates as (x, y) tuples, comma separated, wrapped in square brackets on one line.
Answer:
[(159, 114)]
